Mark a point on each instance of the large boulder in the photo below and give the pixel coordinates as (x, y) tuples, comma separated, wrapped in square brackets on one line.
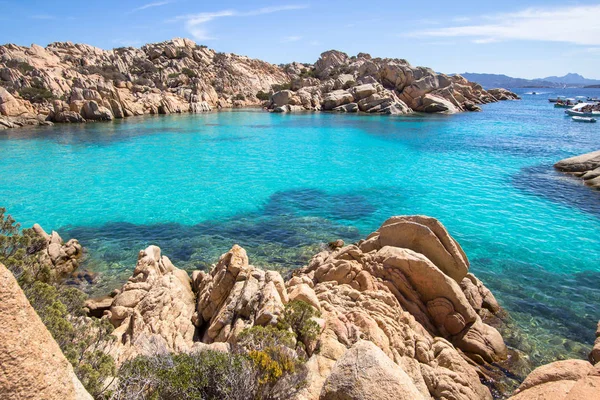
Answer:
[(13, 107), (33, 366), (364, 372), (94, 112), (336, 98), (585, 166), (561, 380)]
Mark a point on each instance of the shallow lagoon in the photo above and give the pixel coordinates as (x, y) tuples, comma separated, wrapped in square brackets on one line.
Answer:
[(282, 185)]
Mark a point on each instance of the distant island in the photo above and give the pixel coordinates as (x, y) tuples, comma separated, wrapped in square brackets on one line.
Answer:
[(498, 80)]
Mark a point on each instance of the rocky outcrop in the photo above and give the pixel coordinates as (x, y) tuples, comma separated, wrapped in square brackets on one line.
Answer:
[(179, 76), (60, 258), (586, 167), (561, 380), (175, 76), (403, 300), (387, 86), (153, 311), (32, 364), (595, 354)]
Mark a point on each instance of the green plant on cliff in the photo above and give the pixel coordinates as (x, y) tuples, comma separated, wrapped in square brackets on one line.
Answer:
[(205, 375), (36, 94), (263, 96), (298, 317), (189, 73), (81, 339)]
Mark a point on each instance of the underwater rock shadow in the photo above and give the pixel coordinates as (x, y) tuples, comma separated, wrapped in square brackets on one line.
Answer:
[(289, 220), (544, 181)]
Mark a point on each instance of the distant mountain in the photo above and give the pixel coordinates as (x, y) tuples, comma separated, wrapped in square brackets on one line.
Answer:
[(496, 80), (572, 79)]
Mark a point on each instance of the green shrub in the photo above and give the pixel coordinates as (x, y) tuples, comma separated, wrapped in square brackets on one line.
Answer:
[(82, 340), (284, 86), (173, 75), (189, 73), (204, 375), (22, 66), (298, 317), (263, 96), (239, 96), (36, 94)]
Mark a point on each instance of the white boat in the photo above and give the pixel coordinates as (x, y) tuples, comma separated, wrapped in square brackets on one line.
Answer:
[(577, 111), (583, 119)]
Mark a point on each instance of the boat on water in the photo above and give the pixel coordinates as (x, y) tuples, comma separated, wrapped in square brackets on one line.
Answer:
[(557, 98), (584, 119), (584, 110), (565, 103), (593, 99)]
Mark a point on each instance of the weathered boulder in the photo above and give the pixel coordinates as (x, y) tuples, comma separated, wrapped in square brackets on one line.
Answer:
[(336, 98), (364, 372), (60, 258), (503, 94), (33, 366), (235, 295), (94, 112), (585, 166), (561, 380), (13, 107), (154, 309), (595, 354), (436, 104)]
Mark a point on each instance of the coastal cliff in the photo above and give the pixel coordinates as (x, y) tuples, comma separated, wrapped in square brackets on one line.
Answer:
[(66, 82)]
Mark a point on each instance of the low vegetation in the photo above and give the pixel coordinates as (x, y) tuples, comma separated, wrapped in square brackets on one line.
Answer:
[(36, 94), (81, 339), (263, 96)]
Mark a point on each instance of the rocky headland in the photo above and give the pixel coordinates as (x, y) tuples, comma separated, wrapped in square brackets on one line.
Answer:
[(66, 82), (585, 167), (398, 312)]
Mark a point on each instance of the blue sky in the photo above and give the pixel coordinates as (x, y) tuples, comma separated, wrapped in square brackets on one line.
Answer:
[(526, 38)]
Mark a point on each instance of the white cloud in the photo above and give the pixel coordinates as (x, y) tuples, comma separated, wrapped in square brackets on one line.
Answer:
[(128, 42), (151, 5), (195, 24), (574, 24), (288, 39)]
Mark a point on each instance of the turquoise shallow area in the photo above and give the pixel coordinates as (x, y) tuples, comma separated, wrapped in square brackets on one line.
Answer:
[(281, 185)]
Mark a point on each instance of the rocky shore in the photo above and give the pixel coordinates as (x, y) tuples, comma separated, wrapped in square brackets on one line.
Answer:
[(585, 167), (399, 312), (70, 83)]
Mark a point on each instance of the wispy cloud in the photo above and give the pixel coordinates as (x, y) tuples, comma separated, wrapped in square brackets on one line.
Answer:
[(195, 24), (151, 5), (574, 24), (288, 39), (42, 16)]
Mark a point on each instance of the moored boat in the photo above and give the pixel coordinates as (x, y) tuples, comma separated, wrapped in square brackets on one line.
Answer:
[(584, 119), (555, 99)]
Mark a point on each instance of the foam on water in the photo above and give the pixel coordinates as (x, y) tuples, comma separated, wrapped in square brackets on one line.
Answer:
[(281, 185)]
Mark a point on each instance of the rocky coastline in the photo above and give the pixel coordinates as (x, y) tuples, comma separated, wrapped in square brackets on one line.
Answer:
[(398, 312), (72, 83), (586, 167)]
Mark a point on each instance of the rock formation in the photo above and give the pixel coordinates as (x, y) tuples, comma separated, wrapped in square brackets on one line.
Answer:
[(32, 364), (403, 299), (586, 167), (153, 311), (60, 258), (337, 82), (66, 82)]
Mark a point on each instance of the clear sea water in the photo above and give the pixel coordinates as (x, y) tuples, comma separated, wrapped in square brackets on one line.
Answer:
[(282, 185)]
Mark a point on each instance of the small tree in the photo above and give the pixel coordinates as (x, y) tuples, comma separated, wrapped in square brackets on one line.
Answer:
[(298, 317)]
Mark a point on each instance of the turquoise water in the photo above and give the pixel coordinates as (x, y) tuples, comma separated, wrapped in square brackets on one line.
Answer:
[(282, 185)]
